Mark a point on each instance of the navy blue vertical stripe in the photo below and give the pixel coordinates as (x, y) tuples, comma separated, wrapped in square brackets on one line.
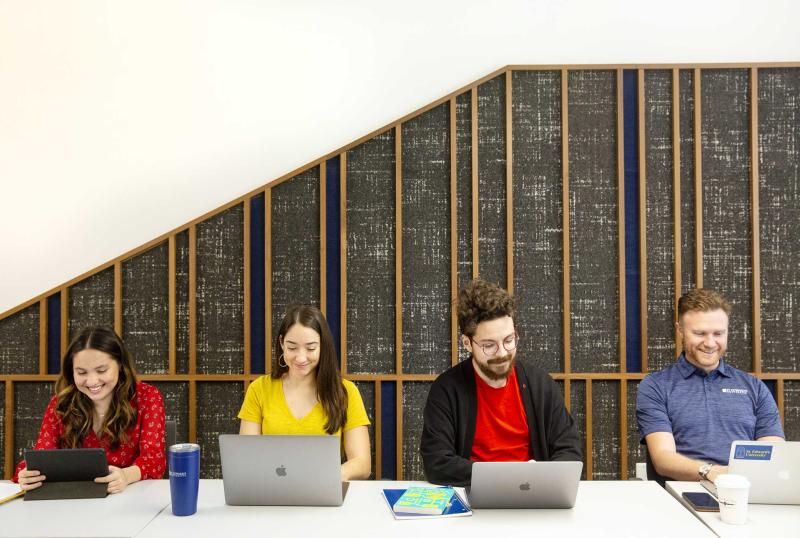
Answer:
[(633, 338), (54, 334), (257, 331), (388, 427), (332, 257)]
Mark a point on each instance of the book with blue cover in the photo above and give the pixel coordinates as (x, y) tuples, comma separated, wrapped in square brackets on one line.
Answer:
[(425, 502)]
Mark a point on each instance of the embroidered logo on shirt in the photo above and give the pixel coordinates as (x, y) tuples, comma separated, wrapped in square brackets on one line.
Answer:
[(735, 391)]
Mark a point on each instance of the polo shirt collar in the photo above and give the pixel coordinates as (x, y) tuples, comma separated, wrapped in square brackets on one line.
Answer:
[(686, 368)]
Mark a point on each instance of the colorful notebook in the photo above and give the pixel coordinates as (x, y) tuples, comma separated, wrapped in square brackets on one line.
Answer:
[(454, 507)]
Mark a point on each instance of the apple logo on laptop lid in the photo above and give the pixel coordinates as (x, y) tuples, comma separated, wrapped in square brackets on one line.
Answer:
[(280, 471)]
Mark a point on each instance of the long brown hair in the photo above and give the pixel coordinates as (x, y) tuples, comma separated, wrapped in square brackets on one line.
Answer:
[(330, 391), (75, 408)]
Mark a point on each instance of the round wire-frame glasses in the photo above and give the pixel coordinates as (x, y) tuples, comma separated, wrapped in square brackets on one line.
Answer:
[(490, 349)]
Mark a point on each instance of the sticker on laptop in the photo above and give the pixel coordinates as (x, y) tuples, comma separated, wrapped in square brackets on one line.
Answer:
[(753, 452)]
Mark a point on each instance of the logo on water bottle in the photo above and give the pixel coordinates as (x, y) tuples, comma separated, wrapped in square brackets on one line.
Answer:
[(280, 471), (177, 474)]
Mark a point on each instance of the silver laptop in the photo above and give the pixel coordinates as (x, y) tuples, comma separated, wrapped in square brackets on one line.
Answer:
[(773, 469), (284, 470), (524, 484)]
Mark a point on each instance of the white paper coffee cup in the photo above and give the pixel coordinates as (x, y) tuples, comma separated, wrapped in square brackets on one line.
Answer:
[(733, 491)]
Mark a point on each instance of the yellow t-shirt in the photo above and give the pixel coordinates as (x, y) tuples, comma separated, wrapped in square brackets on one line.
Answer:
[(265, 404)]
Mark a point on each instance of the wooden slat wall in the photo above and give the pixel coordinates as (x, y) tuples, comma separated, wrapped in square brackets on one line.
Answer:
[(582, 384)]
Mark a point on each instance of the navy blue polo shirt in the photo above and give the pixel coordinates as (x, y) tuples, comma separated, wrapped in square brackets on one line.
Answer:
[(706, 412)]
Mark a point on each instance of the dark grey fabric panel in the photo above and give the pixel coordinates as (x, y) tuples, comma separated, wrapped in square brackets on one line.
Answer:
[(182, 302), (537, 194), (145, 309), (426, 242), (791, 410), (218, 403), (688, 213), (295, 243), (577, 408), (371, 256), (464, 186), (415, 394), (30, 401), (727, 234), (492, 180), (91, 302), (636, 451), (19, 339), (606, 456), (660, 247), (3, 425), (220, 293), (176, 406), (779, 198), (367, 390), (594, 235)]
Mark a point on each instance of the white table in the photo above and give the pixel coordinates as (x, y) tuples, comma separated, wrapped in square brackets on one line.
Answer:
[(121, 515), (615, 509), (771, 520)]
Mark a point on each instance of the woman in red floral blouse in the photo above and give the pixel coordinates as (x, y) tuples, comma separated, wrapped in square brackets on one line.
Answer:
[(99, 404)]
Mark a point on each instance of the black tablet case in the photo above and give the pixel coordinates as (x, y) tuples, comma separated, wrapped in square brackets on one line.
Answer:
[(70, 473)]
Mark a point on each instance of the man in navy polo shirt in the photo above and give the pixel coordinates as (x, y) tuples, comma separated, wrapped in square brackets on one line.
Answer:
[(690, 412)]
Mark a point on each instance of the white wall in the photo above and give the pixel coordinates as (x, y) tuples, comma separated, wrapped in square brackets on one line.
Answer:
[(121, 120)]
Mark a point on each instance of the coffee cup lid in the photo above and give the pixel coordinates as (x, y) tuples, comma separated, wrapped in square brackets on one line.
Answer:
[(731, 481), (184, 447)]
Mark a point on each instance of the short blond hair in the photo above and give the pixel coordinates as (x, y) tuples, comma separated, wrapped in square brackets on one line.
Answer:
[(702, 300)]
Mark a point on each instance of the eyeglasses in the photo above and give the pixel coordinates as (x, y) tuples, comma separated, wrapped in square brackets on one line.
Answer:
[(490, 349)]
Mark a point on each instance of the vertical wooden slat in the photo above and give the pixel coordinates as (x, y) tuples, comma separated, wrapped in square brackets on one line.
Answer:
[(589, 463), (118, 297), (343, 259), (399, 430), (378, 430), (621, 221), (43, 336), (192, 409), (698, 179), (755, 216), (64, 320), (779, 386), (676, 200), (474, 125), (623, 428), (565, 320), (323, 239), (509, 189), (192, 302), (268, 281), (171, 308), (398, 249), (8, 470), (247, 287), (642, 135), (453, 235)]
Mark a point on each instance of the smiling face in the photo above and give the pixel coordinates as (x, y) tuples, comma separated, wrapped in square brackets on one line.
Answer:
[(301, 349), (500, 332), (96, 374), (705, 337)]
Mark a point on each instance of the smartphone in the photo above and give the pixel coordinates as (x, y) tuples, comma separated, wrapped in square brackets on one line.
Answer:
[(701, 501)]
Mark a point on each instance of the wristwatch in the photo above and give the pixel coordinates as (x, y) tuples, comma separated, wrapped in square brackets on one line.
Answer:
[(704, 470)]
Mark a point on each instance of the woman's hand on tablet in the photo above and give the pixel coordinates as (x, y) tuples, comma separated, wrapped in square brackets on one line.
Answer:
[(30, 479)]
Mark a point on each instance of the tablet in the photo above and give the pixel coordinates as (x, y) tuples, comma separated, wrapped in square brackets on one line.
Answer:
[(70, 473)]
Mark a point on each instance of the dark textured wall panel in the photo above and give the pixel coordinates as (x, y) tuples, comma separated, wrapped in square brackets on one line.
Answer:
[(779, 198), (594, 289), (182, 302), (688, 214), (426, 242), (636, 451), (91, 302), (492, 180), (176, 406), (791, 410), (218, 404), (371, 256), (295, 243), (415, 394), (727, 236), (464, 186), (19, 342), (538, 245), (145, 309), (30, 401), (367, 390), (660, 247), (220, 293), (577, 408), (606, 456)]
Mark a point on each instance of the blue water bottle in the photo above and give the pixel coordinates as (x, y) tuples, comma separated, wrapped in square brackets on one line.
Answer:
[(184, 477)]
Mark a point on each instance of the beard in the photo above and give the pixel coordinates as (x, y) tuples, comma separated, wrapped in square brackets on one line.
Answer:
[(489, 369)]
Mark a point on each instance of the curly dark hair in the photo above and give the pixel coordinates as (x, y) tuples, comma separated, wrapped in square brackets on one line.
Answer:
[(481, 301)]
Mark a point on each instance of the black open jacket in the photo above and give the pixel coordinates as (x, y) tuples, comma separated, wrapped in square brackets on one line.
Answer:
[(452, 408)]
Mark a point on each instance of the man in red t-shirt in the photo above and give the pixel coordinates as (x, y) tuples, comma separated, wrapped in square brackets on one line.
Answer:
[(492, 407)]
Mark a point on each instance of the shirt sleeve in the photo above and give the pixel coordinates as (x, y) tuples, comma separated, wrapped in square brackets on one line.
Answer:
[(768, 420), (152, 458), (49, 433), (651, 409), (438, 446), (356, 412), (252, 409)]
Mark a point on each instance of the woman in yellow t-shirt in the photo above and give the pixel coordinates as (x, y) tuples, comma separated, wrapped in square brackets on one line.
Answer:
[(306, 394)]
